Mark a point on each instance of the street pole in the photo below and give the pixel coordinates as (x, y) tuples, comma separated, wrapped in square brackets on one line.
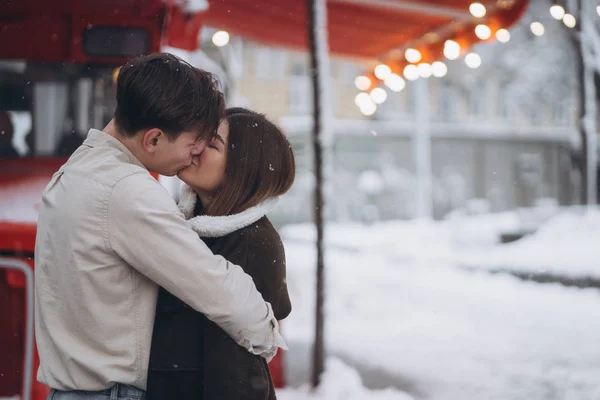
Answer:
[(321, 141), (587, 11), (422, 151)]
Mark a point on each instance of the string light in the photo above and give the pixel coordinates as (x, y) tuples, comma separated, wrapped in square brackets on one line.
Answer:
[(557, 12), (483, 32), (502, 35), (439, 69), (411, 72), (537, 28), (451, 50), (378, 95), (362, 82), (368, 108), (477, 10), (412, 55), (362, 98), (368, 101), (395, 82), (569, 21), (473, 60), (425, 70), (220, 38), (381, 71)]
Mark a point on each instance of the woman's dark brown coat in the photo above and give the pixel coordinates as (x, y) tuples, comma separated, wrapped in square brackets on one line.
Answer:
[(191, 357)]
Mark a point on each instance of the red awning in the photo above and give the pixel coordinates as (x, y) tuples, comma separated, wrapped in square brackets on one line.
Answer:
[(362, 28)]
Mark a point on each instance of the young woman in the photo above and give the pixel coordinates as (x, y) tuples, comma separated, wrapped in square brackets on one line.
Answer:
[(227, 192)]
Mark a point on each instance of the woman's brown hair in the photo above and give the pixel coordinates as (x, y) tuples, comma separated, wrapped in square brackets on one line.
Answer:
[(260, 163)]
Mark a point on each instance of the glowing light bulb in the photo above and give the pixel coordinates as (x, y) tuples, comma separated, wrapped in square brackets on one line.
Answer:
[(220, 38), (439, 69), (473, 60), (412, 55), (483, 32), (395, 83), (569, 21), (368, 108), (378, 95), (477, 10), (362, 82), (411, 72), (537, 28), (502, 35), (451, 50), (382, 70), (557, 12), (425, 70)]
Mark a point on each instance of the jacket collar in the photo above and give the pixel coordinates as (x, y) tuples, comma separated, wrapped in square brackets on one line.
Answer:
[(97, 138), (209, 226)]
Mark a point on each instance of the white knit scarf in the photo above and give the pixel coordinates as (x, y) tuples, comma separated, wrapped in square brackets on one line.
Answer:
[(209, 226)]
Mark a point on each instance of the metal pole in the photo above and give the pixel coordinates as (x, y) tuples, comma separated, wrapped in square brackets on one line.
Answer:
[(588, 8), (28, 363), (422, 151), (321, 141)]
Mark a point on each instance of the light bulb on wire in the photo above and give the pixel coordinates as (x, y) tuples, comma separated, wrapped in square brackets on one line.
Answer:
[(411, 72), (425, 70), (362, 82), (378, 95), (412, 55), (368, 106), (362, 98), (473, 60), (557, 12), (483, 32), (502, 35), (477, 10), (569, 21), (439, 69), (394, 82), (382, 70), (220, 38), (451, 50), (537, 28)]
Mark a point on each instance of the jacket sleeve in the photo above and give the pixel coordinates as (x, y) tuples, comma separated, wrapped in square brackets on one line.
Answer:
[(147, 231), (262, 256)]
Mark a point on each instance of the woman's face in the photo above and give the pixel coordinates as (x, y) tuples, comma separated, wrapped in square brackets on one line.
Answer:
[(207, 171)]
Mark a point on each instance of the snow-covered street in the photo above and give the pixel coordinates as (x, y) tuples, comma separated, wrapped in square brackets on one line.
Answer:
[(399, 302)]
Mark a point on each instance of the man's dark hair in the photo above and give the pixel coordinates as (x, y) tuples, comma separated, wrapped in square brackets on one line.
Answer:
[(162, 91)]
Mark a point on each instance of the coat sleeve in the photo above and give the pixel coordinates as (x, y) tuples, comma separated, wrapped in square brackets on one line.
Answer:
[(147, 231), (262, 256)]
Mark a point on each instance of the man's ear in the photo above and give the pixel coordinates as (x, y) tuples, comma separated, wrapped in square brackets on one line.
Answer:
[(152, 138)]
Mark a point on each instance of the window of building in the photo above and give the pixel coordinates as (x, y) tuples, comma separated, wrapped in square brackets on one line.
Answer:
[(269, 63), (448, 100), (300, 90), (477, 101)]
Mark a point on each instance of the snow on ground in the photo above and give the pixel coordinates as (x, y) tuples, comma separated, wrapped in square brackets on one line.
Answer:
[(340, 382), (396, 301), (567, 244)]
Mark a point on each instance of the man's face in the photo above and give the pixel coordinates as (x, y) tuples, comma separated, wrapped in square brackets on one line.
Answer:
[(207, 172), (170, 157)]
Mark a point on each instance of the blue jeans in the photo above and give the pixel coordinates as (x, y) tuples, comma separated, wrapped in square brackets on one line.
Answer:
[(117, 392)]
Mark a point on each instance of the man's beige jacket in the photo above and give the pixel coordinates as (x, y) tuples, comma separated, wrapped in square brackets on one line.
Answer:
[(108, 235)]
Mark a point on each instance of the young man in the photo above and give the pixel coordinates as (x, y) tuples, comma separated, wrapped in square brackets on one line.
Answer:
[(109, 234)]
